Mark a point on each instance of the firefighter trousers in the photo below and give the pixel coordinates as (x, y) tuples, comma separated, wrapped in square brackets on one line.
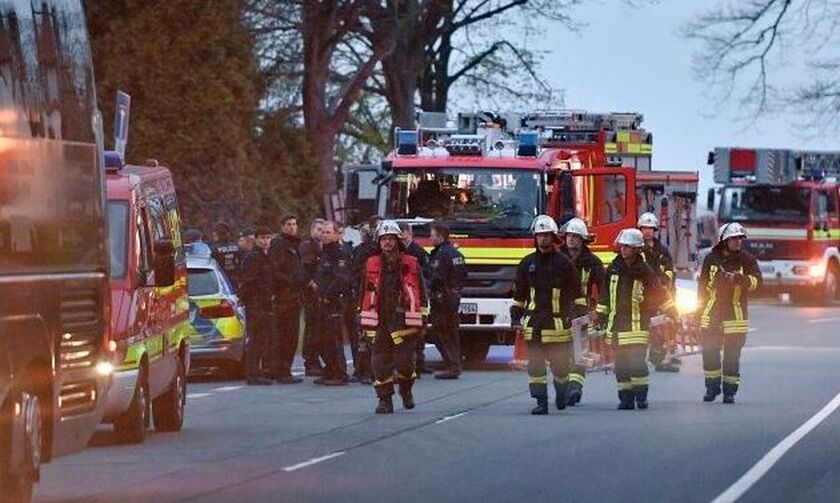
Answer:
[(261, 327), (285, 343), (445, 323), (728, 371), (558, 355), (393, 359), (631, 371), (577, 376)]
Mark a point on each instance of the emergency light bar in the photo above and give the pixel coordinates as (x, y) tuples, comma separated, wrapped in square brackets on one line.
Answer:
[(465, 144), (407, 141), (528, 144), (113, 161)]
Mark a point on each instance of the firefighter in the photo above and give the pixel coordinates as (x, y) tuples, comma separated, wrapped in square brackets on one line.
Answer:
[(659, 259), (391, 311), (447, 272), (333, 287), (310, 252), (423, 259), (630, 297), (591, 271), (226, 252), (290, 280), (547, 286), (257, 294), (358, 343), (728, 277)]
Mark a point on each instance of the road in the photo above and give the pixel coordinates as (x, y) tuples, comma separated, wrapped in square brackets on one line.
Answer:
[(474, 440)]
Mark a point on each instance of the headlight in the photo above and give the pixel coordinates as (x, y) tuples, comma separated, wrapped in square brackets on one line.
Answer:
[(816, 271), (686, 300), (104, 368)]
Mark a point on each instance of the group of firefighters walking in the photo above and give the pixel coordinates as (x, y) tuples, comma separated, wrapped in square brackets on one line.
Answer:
[(390, 296)]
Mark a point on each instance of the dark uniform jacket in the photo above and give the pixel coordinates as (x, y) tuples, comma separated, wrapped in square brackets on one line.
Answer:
[(632, 294), (447, 273), (361, 253), (723, 303), (229, 257), (546, 288), (423, 260), (333, 276), (591, 271), (258, 282), (288, 268), (659, 259)]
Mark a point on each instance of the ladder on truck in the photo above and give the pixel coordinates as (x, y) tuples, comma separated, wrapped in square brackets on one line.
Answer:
[(773, 166)]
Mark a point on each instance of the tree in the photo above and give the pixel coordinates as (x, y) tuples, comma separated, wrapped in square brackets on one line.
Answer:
[(743, 55), (190, 69)]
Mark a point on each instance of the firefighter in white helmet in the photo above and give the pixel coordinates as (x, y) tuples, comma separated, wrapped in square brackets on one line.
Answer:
[(728, 277), (547, 286), (591, 271), (630, 297), (659, 259)]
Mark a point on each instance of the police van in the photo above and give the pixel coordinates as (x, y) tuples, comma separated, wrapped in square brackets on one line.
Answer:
[(150, 307)]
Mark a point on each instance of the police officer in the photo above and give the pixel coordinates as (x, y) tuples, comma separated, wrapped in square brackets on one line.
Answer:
[(547, 285), (728, 277), (290, 280), (423, 258), (659, 259), (257, 294), (358, 343), (226, 252), (333, 287), (246, 241), (310, 251), (448, 271), (591, 271), (391, 312), (630, 298)]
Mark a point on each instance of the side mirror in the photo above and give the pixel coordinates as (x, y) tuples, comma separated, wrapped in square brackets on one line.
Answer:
[(710, 200), (164, 263)]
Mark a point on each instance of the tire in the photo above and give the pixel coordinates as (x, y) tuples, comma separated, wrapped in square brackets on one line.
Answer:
[(475, 353), (131, 425), (17, 488), (168, 409), (830, 285)]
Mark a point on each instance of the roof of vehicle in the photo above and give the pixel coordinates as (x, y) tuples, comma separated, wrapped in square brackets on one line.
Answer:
[(201, 262), (120, 183), (491, 160)]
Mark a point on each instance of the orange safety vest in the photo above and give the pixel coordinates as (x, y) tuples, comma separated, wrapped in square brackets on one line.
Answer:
[(411, 296)]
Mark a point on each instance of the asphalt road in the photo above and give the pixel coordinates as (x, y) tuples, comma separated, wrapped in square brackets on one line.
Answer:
[(474, 440)]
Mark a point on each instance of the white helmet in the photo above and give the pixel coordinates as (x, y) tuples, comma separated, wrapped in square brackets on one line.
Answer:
[(544, 223), (731, 230), (577, 226), (631, 237), (388, 227), (648, 219)]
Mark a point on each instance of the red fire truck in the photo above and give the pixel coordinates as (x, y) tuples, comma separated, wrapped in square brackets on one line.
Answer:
[(788, 201)]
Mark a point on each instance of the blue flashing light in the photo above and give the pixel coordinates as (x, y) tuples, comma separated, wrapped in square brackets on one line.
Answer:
[(407, 141), (528, 143), (113, 160)]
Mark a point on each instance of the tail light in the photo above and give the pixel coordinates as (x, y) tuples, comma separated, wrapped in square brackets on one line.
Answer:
[(223, 309)]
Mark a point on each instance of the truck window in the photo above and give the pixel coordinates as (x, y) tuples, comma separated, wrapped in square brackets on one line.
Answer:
[(601, 199)]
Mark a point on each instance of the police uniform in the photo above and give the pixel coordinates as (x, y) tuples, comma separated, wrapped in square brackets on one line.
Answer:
[(724, 316), (257, 294), (333, 280), (291, 280), (546, 288), (448, 271), (310, 252), (229, 257), (359, 344), (423, 260)]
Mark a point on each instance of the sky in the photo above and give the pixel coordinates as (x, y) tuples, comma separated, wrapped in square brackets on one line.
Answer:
[(635, 59)]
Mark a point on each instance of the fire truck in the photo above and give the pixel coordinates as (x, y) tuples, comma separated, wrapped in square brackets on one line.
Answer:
[(488, 176), (788, 201)]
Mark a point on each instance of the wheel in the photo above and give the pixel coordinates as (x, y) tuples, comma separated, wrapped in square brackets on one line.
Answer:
[(16, 485), (168, 409), (131, 425), (476, 352), (830, 285)]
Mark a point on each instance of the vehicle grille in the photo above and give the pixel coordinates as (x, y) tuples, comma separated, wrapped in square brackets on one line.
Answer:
[(489, 281), (77, 397), (79, 346)]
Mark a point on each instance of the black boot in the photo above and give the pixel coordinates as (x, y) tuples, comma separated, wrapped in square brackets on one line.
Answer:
[(561, 395), (729, 391), (385, 406), (667, 367), (405, 393), (626, 400), (640, 393), (575, 394), (712, 390), (542, 407)]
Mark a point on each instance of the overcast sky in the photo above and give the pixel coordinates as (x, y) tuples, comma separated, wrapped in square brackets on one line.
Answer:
[(635, 59)]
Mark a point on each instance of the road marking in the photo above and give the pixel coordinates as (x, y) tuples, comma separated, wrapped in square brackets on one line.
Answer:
[(823, 320), (197, 395), (764, 465), (313, 461), (450, 418), (228, 388), (752, 329)]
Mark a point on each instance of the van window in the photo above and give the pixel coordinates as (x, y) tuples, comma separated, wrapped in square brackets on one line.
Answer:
[(202, 282), (118, 237), (143, 242)]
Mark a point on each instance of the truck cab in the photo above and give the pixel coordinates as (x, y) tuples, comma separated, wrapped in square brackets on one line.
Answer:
[(149, 320)]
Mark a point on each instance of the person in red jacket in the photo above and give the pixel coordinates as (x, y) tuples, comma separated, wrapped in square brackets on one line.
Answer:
[(392, 311)]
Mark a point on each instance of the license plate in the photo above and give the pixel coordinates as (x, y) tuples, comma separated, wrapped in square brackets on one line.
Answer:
[(469, 308), (767, 269)]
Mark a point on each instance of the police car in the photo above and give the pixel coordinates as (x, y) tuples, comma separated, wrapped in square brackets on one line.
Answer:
[(217, 319)]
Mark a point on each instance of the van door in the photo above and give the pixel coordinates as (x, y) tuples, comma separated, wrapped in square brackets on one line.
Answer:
[(162, 320)]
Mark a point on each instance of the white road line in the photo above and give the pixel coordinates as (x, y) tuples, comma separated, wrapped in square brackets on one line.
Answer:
[(752, 329), (197, 395), (450, 418), (313, 461), (824, 320), (228, 388), (764, 465)]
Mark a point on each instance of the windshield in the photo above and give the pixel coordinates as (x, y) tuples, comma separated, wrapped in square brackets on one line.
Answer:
[(117, 237), (471, 201), (766, 204), (202, 282)]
